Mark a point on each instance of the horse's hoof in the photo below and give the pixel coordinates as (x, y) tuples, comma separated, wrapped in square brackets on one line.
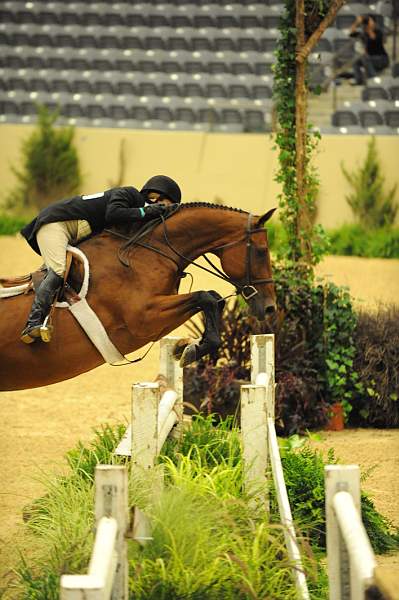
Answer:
[(181, 345), (189, 355), (179, 348)]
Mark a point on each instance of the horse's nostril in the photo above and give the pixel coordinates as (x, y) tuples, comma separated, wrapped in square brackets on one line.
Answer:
[(270, 309)]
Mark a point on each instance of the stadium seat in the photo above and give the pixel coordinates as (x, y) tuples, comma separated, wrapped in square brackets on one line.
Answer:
[(375, 92), (147, 88), (370, 118), (74, 111), (118, 113), (161, 113), (250, 22), (392, 118), (103, 87), (394, 91), (16, 83), (248, 44), (215, 90), (239, 91), (208, 117), (169, 89), (179, 43), (140, 113), (109, 41), (224, 44), (65, 40), (82, 86), (254, 121), (125, 88), (230, 121), (132, 41), (261, 92), (185, 115), (194, 90), (61, 85), (344, 118)]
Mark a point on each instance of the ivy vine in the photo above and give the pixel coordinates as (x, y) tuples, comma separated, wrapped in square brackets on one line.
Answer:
[(284, 92), (336, 345)]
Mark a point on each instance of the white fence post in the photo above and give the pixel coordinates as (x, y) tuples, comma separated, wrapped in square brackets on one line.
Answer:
[(171, 370), (350, 557), (111, 500), (107, 577), (144, 440), (262, 356), (254, 439)]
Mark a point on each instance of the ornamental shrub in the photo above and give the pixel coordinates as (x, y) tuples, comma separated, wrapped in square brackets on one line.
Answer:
[(11, 224), (376, 360), (356, 240), (49, 167), (314, 355), (372, 206)]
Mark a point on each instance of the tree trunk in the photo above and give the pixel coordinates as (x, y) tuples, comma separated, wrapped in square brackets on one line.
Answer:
[(303, 221)]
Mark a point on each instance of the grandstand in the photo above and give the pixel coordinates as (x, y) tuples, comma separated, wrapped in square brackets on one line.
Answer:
[(174, 65)]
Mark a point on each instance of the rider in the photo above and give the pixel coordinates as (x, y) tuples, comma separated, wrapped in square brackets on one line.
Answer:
[(69, 221)]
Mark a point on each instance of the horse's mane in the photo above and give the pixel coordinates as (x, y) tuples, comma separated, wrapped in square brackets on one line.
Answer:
[(209, 205), (142, 230)]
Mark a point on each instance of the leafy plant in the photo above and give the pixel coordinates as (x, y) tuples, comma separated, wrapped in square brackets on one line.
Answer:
[(208, 540), (342, 379), (11, 224), (371, 205), (377, 361), (356, 240), (49, 165), (314, 355), (306, 242)]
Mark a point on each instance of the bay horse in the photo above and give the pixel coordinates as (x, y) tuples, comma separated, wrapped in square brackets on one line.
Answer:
[(134, 281)]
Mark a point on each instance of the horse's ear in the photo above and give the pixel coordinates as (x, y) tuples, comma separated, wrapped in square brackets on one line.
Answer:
[(262, 220)]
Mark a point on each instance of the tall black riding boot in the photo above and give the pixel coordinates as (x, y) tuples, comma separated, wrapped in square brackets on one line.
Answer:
[(44, 297)]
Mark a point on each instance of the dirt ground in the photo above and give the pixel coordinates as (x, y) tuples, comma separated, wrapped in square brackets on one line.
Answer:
[(38, 426)]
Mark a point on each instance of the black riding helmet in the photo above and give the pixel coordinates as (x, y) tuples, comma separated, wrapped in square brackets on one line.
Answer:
[(163, 185)]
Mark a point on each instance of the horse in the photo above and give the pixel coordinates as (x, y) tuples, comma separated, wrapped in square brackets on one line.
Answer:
[(134, 282)]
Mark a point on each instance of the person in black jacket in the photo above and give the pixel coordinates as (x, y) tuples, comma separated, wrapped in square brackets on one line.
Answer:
[(375, 57), (69, 221)]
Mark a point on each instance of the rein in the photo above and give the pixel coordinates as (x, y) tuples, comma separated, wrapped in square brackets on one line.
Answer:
[(247, 290)]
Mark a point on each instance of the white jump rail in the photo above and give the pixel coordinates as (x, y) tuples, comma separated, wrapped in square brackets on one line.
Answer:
[(260, 445), (350, 557), (107, 577)]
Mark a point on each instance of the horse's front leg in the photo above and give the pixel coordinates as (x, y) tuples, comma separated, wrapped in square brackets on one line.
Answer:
[(168, 312), (211, 304)]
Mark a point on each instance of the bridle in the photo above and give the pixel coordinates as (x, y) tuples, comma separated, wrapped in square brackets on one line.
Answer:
[(247, 289)]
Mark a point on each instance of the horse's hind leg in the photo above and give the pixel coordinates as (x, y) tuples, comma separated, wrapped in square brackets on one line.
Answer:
[(211, 304)]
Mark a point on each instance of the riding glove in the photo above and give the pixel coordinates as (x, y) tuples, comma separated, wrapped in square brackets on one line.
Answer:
[(155, 210)]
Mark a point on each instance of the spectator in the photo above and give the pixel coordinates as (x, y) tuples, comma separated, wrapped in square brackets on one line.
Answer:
[(375, 58)]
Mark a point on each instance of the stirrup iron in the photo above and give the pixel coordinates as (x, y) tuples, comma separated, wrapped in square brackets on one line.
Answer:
[(46, 330)]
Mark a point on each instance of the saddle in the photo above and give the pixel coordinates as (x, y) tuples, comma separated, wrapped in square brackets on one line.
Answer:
[(73, 280)]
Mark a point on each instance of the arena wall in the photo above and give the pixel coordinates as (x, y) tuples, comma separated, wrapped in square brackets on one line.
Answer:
[(236, 170)]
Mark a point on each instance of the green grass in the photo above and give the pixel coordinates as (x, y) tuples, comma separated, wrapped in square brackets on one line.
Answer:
[(209, 541), (350, 240), (10, 225)]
